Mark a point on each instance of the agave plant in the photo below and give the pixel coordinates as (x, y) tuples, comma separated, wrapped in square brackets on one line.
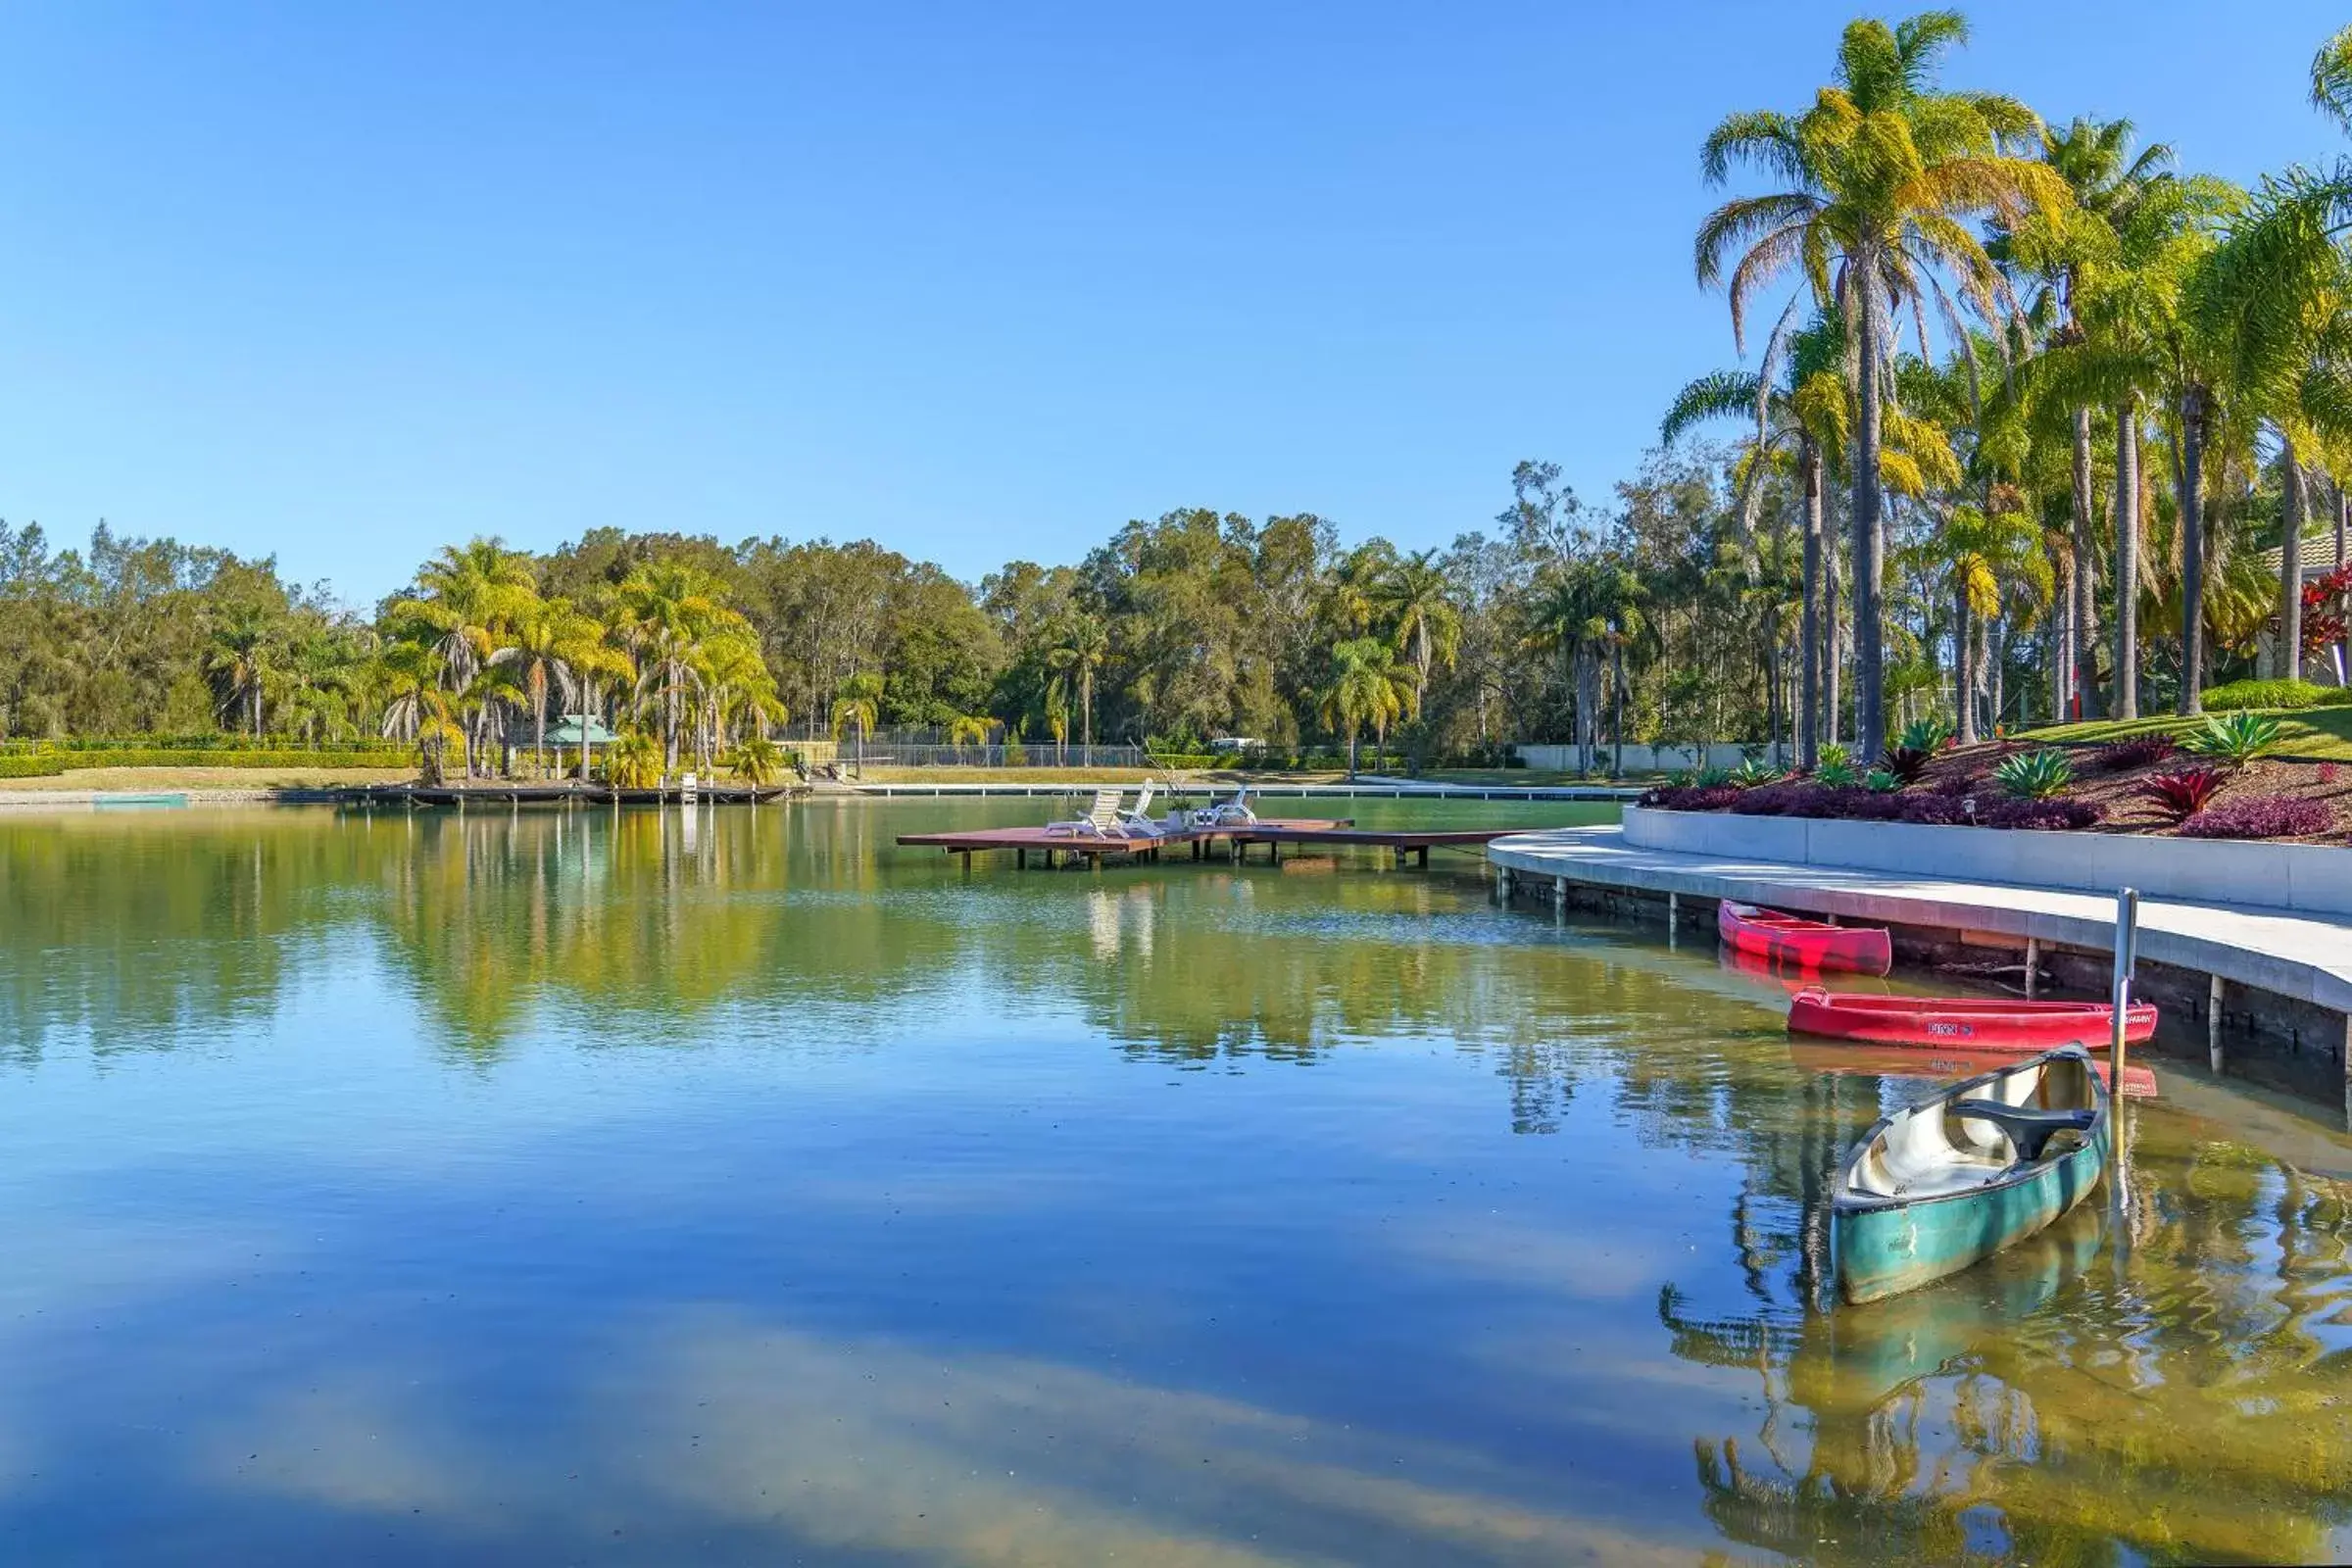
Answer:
[(1713, 779), (2035, 775), (1924, 735), (1836, 772), (2182, 794), (1883, 781), (2235, 738), (1754, 771)]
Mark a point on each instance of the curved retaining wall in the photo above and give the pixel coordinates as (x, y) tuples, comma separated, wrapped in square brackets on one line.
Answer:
[(2309, 877)]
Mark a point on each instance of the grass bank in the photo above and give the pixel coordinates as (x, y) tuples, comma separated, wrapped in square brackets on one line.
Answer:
[(2317, 734), (197, 780)]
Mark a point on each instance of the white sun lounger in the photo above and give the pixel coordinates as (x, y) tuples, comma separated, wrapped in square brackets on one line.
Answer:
[(1102, 820)]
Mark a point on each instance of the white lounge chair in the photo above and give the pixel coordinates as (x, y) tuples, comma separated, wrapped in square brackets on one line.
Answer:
[(1102, 820), (1234, 812), (1139, 822)]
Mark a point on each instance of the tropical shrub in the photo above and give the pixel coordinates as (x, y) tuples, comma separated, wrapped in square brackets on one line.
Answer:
[(2240, 695), (633, 761), (1690, 798), (1836, 772), (2182, 794), (2235, 738), (2261, 817), (1884, 781), (1710, 778), (2035, 775), (1015, 755), (1904, 764), (2048, 817), (2134, 751), (757, 760), (1754, 771)]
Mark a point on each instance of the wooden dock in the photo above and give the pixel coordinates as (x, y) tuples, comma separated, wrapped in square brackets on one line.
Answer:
[(1201, 842)]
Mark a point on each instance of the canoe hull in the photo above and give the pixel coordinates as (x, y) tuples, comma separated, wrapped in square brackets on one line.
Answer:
[(1964, 1024), (1784, 939), (1885, 1252), (1888, 1245)]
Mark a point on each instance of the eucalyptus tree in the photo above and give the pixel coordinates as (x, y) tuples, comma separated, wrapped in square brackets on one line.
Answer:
[(1882, 178)]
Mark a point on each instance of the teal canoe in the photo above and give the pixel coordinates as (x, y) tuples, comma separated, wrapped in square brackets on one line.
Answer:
[(1967, 1171)]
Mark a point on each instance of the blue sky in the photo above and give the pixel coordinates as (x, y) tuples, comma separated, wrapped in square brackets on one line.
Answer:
[(341, 284)]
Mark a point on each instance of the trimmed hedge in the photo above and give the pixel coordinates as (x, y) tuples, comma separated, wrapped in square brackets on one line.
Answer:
[(2240, 695), (1185, 760), (48, 765)]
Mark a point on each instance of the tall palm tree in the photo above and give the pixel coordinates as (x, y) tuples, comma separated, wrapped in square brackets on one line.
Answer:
[(666, 609), (2065, 250), (1801, 417), (243, 654), (1413, 596), (853, 709), (1883, 175), (1080, 648), (1367, 687), (542, 641)]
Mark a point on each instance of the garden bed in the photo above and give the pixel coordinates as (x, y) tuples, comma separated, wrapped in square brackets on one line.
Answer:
[(2112, 791)]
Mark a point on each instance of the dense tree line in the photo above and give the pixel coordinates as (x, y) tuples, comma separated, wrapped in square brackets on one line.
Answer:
[(2034, 411)]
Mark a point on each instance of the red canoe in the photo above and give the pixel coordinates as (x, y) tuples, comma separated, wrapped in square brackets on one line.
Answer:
[(1914, 1061), (1808, 944), (1966, 1023)]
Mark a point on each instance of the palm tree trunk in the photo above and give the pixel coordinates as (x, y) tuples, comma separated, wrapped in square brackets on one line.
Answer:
[(1808, 744), (1964, 689), (1617, 699), (1870, 535), (2127, 560), (539, 730), (2343, 525), (2290, 569), (2192, 511), (1833, 645), (2087, 579)]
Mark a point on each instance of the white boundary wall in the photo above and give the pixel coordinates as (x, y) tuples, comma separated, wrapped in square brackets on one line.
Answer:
[(1655, 759), (2316, 878)]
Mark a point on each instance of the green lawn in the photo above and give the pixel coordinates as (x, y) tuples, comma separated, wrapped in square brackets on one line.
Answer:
[(2320, 733), (1526, 778)]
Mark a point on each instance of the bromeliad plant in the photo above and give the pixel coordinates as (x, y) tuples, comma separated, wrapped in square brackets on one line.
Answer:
[(2182, 794), (2235, 739), (2035, 775), (1836, 772), (1754, 771), (1883, 781)]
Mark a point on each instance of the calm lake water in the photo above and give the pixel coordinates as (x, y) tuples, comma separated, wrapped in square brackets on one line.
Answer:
[(644, 1190)]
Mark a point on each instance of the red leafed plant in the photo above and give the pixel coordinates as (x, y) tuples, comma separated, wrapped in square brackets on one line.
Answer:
[(2182, 794), (2323, 601), (2263, 816)]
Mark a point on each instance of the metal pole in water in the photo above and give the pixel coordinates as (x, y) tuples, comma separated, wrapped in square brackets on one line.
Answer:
[(2126, 944), (2126, 954)]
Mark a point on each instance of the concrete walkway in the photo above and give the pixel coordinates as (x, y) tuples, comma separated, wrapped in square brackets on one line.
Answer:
[(2308, 957)]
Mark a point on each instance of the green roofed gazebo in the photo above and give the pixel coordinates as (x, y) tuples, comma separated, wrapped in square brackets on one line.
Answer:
[(568, 733)]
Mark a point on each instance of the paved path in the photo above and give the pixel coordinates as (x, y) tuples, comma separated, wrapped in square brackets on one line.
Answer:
[(2302, 956)]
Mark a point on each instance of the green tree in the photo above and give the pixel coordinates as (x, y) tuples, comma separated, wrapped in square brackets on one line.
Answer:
[(1080, 648), (1880, 178)]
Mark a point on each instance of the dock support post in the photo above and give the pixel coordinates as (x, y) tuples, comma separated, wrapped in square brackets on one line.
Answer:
[(1673, 918), (1020, 860), (1559, 898), (1502, 884), (2032, 964), (2213, 1024), (2347, 1058)]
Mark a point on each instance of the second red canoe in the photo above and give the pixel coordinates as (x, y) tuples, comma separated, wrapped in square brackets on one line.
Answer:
[(1980, 1023), (1793, 938)]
